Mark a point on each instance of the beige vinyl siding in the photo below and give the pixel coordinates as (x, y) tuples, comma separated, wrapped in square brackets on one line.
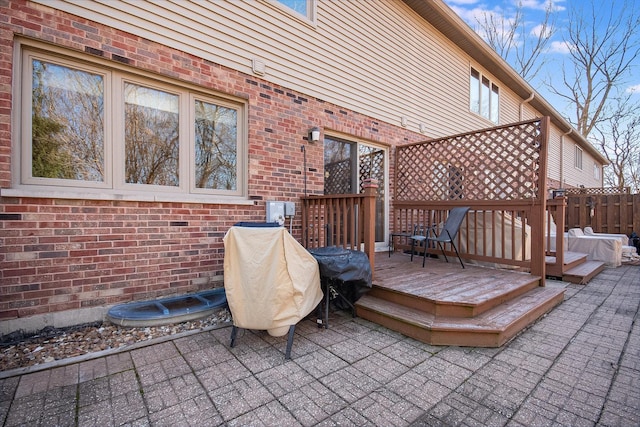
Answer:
[(574, 177), (376, 57), (554, 153), (347, 59)]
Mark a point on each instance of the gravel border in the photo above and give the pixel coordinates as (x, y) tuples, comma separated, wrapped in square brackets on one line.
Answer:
[(52, 348)]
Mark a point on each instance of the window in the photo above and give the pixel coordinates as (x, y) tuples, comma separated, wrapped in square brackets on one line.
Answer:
[(596, 171), (93, 127), (577, 160), (305, 8), (484, 96)]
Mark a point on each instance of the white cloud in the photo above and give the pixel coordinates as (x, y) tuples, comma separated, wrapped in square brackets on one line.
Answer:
[(470, 16), (559, 47), (543, 5), (538, 29), (634, 89)]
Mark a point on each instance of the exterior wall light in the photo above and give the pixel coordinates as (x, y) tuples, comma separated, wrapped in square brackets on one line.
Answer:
[(314, 134)]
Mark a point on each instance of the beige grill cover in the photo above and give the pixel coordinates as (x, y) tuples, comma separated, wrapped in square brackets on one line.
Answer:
[(270, 280)]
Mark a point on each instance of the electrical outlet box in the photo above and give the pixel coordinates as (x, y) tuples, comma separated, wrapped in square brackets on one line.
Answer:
[(275, 212), (289, 209)]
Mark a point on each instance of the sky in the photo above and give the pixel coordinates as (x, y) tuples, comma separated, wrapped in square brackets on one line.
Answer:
[(471, 11)]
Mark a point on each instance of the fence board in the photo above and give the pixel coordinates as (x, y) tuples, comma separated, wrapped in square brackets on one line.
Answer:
[(612, 213)]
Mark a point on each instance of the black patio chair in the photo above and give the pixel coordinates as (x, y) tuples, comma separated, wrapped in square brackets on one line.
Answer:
[(447, 235)]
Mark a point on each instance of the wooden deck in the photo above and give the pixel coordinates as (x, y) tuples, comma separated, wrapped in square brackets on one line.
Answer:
[(444, 304)]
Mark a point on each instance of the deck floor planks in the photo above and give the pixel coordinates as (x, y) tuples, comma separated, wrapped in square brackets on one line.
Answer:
[(447, 282)]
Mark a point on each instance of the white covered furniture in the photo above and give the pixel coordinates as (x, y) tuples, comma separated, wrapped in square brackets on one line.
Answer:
[(605, 249), (627, 251), (624, 239)]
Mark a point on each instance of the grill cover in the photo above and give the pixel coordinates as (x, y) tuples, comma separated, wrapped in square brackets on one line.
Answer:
[(270, 280)]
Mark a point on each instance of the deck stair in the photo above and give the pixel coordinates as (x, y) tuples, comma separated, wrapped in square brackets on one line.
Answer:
[(441, 305), (576, 268)]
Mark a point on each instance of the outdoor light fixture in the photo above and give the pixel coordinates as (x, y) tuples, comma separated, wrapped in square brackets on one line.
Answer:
[(314, 134)]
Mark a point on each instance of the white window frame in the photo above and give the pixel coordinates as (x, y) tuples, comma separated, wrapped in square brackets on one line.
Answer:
[(596, 171), (577, 157), (484, 96), (113, 185)]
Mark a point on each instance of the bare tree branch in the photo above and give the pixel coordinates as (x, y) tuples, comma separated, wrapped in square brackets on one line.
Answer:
[(510, 37), (618, 139), (603, 46)]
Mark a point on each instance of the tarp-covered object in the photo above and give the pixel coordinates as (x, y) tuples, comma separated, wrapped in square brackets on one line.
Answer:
[(605, 249), (271, 281), (349, 270), (486, 228)]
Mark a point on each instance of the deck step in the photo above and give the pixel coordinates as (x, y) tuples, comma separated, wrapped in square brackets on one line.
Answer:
[(571, 259), (492, 328), (454, 299), (583, 273)]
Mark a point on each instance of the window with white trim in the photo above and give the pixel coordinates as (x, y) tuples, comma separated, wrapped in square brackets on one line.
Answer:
[(577, 159), (596, 171), (85, 125), (484, 96)]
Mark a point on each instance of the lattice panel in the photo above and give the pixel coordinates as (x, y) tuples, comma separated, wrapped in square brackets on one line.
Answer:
[(372, 166), (338, 177), (497, 164), (597, 191), (338, 174)]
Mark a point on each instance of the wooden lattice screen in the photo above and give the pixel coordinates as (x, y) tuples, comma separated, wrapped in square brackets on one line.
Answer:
[(597, 191), (338, 177), (501, 163)]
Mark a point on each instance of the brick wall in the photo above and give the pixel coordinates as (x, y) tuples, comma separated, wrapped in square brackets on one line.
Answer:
[(64, 254)]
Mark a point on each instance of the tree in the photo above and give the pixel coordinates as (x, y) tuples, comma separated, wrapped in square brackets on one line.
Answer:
[(602, 47), (618, 139), (523, 49)]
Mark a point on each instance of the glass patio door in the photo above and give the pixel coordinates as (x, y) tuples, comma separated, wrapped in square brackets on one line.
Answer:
[(347, 164)]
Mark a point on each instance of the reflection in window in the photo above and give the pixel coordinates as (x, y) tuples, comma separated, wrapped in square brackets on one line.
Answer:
[(339, 157), (216, 155), (93, 127), (151, 136), (474, 91), (299, 6), (577, 159), (484, 96), (67, 123)]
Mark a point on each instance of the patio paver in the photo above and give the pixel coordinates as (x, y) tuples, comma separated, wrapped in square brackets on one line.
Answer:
[(578, 365)]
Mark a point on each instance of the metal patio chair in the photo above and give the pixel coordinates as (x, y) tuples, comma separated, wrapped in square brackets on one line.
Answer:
[(447, 235)]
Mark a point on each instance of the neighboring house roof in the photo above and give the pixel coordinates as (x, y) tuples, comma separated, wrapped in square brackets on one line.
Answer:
[(445, 20)]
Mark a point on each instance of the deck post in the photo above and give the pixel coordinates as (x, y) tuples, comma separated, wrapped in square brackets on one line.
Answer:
[(370, 187)]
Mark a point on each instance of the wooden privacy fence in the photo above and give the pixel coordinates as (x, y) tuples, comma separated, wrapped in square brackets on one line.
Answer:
[(605, 213)]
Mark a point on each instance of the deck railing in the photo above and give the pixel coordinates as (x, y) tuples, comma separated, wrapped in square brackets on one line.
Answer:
[(346, 220), (499, 173), (499, 235), (554, 235)]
